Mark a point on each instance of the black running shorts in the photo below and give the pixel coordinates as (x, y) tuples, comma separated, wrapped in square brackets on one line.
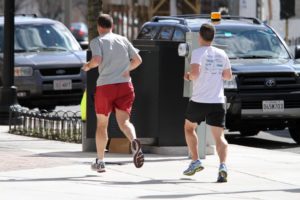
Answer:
[(212, 113)]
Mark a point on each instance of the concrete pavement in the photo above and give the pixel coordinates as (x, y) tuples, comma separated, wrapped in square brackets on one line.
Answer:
[(32, 168)]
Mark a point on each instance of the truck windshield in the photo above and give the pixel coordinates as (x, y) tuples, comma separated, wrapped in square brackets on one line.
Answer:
[(42, 37), (250, 43)]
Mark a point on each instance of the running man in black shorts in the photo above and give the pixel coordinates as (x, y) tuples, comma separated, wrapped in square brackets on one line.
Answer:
[(209, 67)]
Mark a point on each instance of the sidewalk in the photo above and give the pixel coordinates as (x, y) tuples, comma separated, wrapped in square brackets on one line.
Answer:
[(37, 169)]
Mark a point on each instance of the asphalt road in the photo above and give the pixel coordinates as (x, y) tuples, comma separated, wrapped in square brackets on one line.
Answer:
[(274, 140)]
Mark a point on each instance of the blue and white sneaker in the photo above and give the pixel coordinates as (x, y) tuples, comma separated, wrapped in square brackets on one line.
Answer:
[(98, 166), (195, 166), (222, 176)]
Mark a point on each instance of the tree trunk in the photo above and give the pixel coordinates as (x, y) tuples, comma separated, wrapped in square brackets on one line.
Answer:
[(94, 9)]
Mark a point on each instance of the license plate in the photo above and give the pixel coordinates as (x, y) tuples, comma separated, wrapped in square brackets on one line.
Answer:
[(62, 84), (273, 106)]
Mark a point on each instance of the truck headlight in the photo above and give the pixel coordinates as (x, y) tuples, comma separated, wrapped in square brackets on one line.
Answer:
[(23, 71), (183, 49), (230, 84)]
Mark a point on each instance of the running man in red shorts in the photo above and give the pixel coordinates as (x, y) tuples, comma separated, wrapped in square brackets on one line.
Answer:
[(115, 57)]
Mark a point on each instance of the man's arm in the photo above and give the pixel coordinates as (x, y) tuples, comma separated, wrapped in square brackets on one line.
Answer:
[(135, 62), (193, 73), (227, 74), (94, 62)]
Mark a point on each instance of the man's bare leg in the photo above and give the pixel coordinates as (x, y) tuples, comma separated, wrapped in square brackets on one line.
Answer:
[(101, 135), (191, 138), (221, 143), (125, 125), (192, 142), (128, 129)]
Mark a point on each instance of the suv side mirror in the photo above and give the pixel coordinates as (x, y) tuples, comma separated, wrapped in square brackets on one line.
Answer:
[(297, 51)]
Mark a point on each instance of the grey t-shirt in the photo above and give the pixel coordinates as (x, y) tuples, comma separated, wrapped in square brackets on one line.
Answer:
[(116, 52)]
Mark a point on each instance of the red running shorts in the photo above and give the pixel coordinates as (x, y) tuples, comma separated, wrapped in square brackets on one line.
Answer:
[(112, 96)]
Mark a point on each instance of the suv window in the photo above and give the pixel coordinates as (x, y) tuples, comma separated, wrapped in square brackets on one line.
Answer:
[(148, 32), (42, 37), (250, 43), (166, 33), (178, 35)]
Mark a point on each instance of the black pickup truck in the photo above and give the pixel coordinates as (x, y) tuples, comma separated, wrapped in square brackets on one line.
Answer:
[(265, 91)]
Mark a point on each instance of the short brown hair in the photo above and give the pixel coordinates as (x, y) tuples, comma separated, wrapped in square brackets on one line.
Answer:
[(105, 21), (207, 32)]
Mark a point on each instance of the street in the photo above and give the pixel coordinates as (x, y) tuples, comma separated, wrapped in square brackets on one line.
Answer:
[(274, 140)]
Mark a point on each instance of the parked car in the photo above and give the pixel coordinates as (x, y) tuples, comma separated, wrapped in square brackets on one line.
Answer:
[(80, 32), (48, 62), (265, 91)]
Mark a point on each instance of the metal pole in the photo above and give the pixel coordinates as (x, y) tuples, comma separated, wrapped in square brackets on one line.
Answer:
[(8, 65), (286, 38), (8, 95), (173, 7)]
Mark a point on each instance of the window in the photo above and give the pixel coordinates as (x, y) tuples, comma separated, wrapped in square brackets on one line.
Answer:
[(43, 37), (178, 35), (148, 32), (250, 43), (166, 33)]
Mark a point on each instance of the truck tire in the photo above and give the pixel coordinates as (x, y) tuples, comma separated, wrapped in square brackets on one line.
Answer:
[(295, 133), (248, 132)]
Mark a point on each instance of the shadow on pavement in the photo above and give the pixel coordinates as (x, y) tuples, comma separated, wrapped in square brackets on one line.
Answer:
[(87, 179), (91, 155)]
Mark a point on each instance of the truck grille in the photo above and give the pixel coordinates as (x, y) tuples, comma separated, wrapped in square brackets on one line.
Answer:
[(60, 71), (269, 82)]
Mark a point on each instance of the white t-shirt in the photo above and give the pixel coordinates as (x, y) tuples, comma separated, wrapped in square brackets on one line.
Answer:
[(208, 87)]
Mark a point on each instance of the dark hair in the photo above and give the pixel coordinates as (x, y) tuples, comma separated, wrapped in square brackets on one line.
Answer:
[(105, 21), (207, 32)]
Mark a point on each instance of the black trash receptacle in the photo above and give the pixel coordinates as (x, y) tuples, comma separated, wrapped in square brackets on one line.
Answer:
[(159, 107)]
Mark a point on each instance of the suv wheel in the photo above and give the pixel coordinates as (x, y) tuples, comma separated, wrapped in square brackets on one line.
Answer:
[(295, 133), (248, 132)]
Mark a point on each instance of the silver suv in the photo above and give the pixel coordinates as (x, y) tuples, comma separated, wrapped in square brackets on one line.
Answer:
[(48, 60)]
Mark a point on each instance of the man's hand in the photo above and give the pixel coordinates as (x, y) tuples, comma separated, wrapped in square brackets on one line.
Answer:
[(187, 76), (93, 63), (193, 73), (86, 67)]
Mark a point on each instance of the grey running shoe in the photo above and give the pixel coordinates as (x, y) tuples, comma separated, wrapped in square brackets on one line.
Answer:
[(98, 166), (195, 166), (138, 156), (222, 176)]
